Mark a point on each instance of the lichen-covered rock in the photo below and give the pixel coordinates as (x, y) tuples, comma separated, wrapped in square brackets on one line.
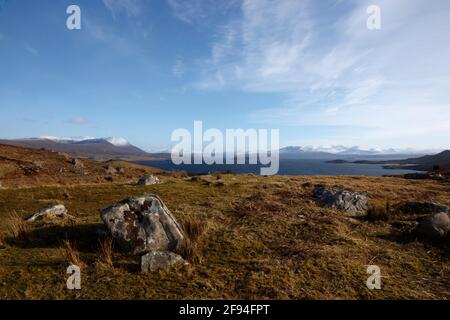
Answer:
[(58, 211), (148, 180), (434, 227), (143, 224), (413, 207), (351, 203), (110, 170), (157, 260)]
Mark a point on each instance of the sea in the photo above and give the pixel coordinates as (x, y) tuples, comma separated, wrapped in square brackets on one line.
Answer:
[(292, 167)]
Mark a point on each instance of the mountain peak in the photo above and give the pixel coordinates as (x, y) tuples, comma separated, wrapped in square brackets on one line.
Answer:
[(118, 142)]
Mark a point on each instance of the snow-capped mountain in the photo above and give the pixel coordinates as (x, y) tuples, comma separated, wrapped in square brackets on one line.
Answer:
[(119, 142), (104, 148), (355, 150)]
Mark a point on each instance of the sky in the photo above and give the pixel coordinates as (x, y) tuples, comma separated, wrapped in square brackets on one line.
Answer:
[(140, 69)]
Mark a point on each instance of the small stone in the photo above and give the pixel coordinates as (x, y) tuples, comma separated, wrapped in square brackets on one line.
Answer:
[(148, 180), (58, 211), (434, 227), (351, 203), (158, 260)]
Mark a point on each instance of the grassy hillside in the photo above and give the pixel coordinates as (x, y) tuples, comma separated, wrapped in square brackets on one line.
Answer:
[(265, 238)]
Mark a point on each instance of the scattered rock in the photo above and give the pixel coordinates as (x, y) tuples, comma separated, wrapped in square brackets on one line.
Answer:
[(76, 162), (58, 211), (422, 208), (66, 194), (110, 170), (143, 224), (64, 155), (351, 203), (434, 227), (157, 260), (30, 168), (120, 170), (148, 180)]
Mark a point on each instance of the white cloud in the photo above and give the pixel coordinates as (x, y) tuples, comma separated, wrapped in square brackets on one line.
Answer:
[(31, 50), (131, 7), (197, 10), (79, 120), (333, 71)]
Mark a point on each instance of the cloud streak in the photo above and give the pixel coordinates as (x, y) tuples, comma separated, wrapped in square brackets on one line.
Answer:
[(334, 71)]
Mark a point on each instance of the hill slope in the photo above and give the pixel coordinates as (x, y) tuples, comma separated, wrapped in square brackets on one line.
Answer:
[(31, 167), (100, 149), (265, 238)]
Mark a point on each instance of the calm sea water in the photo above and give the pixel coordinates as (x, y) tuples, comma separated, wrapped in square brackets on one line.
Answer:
[(303, 167)]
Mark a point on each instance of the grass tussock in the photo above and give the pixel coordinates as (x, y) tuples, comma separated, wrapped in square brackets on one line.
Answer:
[(17, 228), (105, 253), (192, 247), (2, 241), (71, 253), (379, 212)]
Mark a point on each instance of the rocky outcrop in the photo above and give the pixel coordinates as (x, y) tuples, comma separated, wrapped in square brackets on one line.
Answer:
[(110, 170), (416, 207), (434, 227), (351, 203), (148, 180), (58, 211), (157, 260), (77, 163), (143, 224)]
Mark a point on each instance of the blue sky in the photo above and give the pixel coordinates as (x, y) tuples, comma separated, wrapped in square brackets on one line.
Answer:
[(140, 69)]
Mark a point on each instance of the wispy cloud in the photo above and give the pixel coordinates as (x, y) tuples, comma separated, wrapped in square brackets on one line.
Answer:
[(79, 120), (334, 71), (194, 11), (130, 7), (31, 50)]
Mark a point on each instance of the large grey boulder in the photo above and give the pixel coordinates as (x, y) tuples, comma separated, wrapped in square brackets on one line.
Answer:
[(58, 211), (351, 203), (148, 180), (143, 224), (416, 207), (434, 227), (157, 260)]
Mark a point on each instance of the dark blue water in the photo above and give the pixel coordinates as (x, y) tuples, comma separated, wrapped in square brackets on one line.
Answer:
[(294, 167)]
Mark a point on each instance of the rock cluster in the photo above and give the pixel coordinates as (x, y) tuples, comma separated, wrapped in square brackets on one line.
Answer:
[(58, 211), (144, 225), (148, 180), (350, 203), (435, 226)]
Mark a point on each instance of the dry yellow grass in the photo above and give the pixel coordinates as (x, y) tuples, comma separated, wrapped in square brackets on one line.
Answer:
[(71, 253), (266, 238), (17, 227), (105, 253)]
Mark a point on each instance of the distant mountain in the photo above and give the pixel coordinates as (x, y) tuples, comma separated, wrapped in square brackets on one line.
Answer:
[(424, 163), (355, 150), (103, 148), (346, 154)]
